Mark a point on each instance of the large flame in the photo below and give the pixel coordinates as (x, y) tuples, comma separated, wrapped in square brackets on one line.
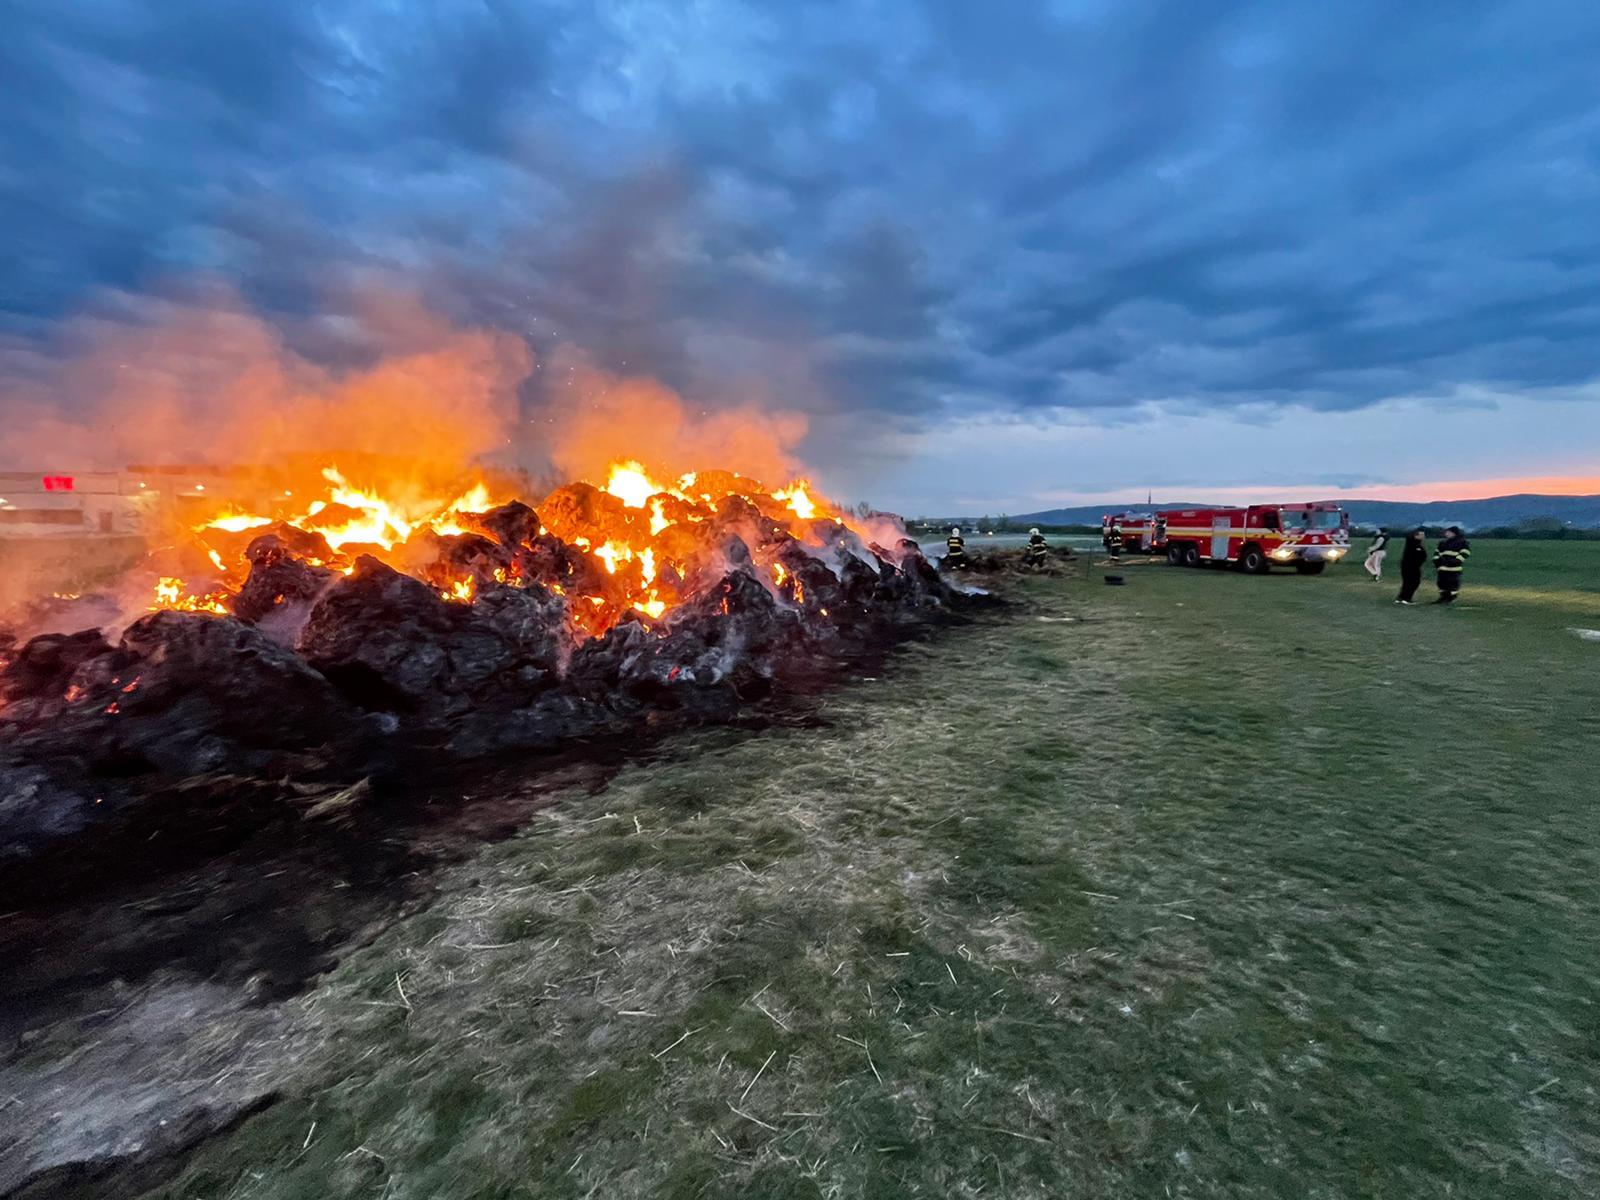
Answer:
[(631, 485), (379, 457), (797, 500), (639, 536)]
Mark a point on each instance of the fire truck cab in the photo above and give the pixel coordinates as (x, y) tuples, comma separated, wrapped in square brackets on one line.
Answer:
[(1309, 536)]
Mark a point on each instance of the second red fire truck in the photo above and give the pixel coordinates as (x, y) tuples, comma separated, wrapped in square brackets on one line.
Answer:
[(1252, 538)]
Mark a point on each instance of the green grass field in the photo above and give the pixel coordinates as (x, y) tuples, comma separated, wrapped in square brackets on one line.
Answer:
[(1206, 886)]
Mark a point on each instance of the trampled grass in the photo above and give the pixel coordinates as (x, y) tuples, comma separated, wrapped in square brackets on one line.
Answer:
[(1204, 886)]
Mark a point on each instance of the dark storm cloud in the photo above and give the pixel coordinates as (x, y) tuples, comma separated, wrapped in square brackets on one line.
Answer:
[(903, 211)]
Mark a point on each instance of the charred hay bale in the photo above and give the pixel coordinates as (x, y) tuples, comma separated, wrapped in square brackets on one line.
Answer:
[(736, 509), (552, 563), (185, 733), (682, 671), (739, 623), (731, 639), (44, 666), (284, 541), (908, 579), (738, 516), (712, 559), (893, 587), (389, 642), (277, 579), (513, 525), (596, 667), (464, 555), (382, 638), (727, 640), (858, 580), (807, 581), (825, 531), (47, 705), (198, 693), (927, 586), (184, 694), (738, 614), (530, 620)]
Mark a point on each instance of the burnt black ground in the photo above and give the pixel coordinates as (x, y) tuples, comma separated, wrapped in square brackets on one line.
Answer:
[(255, 920)]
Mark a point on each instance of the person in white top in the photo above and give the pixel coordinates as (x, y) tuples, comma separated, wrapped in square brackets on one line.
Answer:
[(1376, 553)]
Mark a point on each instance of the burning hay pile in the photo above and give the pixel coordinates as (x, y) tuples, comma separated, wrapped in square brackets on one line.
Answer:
[(291, 654)]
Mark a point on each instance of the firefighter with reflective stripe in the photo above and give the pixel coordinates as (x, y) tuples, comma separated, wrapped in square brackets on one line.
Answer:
[(1449, 561), (955, 552), (1114, 540), (1034, 555)]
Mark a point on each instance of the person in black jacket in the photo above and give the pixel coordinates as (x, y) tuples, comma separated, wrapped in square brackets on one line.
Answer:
[(1413, 555), (1449, 560)]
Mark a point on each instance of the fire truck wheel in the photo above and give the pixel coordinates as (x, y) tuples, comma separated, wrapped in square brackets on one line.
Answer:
[(1252, 561), (1191, 555), (1310, 568), (1175, 555)]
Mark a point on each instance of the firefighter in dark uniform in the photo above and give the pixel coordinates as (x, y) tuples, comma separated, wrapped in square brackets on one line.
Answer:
[(1034, 555), (1114, 540), (955, 552), (1449, 560)]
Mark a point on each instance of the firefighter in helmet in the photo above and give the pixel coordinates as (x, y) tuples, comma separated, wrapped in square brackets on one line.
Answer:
[(1114, 539), (955, 551), (1034, 555), (1450, 560)]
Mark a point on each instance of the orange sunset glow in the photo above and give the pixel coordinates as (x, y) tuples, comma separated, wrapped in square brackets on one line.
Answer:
[(1480, 489)]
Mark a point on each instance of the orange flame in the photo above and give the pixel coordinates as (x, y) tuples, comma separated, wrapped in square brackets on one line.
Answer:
[(238, 522), (172, 593), (641, 544), (797, 499), (631, 485)]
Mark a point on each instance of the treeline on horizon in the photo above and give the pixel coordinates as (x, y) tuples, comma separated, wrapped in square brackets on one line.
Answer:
[(995, 525)]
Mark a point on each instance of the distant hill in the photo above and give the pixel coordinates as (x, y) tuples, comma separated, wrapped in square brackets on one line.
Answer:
[(1583, 512)]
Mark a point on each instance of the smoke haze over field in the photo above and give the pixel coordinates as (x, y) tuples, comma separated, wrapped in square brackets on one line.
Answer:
[(194, 376), (949, 257), (198, 378)]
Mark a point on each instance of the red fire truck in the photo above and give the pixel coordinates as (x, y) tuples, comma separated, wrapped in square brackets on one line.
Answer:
[(1253, 538)]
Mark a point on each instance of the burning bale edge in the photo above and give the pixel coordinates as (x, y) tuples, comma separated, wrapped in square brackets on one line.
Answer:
[(322, 690)]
